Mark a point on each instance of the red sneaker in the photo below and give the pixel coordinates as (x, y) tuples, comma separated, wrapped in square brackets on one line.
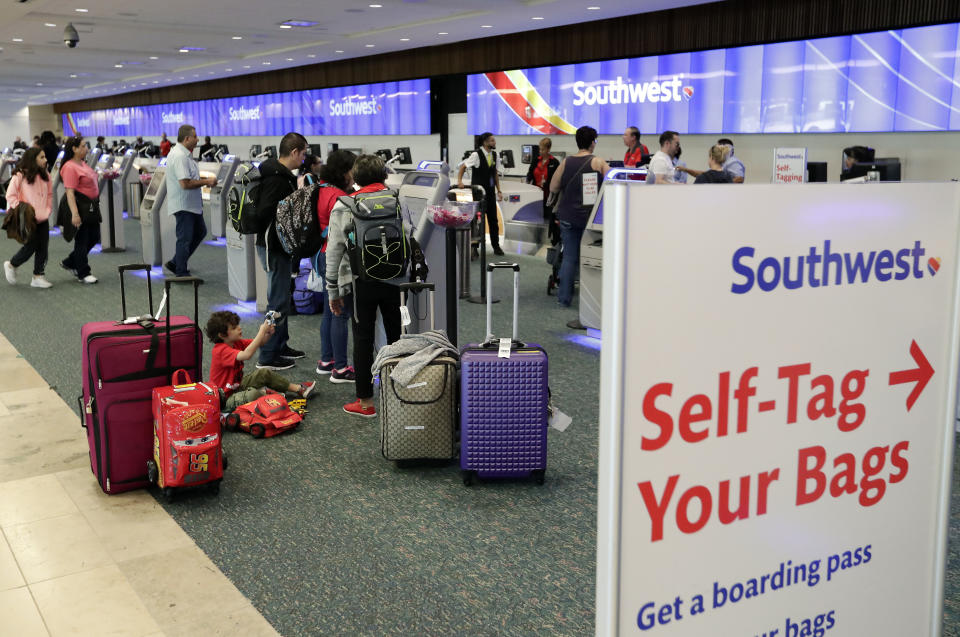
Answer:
[(357, 409)]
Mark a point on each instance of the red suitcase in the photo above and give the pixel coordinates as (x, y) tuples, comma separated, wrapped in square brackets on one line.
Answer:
[(187, 437), (121, 364)]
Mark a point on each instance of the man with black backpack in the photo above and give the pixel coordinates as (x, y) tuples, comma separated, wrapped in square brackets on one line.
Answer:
[(277, 182), (367, 245)]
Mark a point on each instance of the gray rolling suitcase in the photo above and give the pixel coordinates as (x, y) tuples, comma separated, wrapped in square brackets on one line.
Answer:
[(418, 421)]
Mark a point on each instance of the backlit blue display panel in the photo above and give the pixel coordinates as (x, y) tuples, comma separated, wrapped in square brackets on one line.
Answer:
[(390, 108), (904, 80)]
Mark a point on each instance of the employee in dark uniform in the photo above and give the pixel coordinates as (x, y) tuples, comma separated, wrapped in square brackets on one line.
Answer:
[(485, 165)]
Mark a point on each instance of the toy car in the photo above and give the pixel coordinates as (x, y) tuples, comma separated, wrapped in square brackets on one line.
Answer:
[(265, 417)]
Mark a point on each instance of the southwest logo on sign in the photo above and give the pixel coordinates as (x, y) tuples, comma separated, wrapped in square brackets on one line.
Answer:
[(821, 268), (620, 92), (244, 114), (688, 93), (352, 107)]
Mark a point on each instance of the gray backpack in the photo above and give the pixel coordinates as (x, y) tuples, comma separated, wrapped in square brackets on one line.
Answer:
[(378, 247)]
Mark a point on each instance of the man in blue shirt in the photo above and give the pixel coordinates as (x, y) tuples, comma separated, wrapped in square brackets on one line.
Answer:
[(184, 200), (733, 165)]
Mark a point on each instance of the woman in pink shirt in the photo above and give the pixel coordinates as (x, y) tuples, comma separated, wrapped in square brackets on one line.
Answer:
[(83, 199), (32, 185)]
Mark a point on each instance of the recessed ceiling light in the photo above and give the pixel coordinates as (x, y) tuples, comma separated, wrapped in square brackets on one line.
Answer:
[(246, 66), (228, 70), (265, 63), (238, 37), (18, 39), (592, 8), (338, 51), (49, 24), (82, 10), (311, 55), (486, 26), (286, 26), (118, 66), (289, 59), (181, 77), (73, 75), (156, 81), (196, 75), (184, 50), (443, 33), (209, 72), (39, 83), (154, 57), (537, 18), (404, 39), (369, 46), (376, 6)]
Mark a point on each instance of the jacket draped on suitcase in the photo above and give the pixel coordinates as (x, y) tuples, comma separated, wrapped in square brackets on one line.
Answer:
[(121, 364)]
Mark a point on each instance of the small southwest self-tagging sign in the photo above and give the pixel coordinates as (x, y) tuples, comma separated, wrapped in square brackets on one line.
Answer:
[(789, 165), (778, 388)]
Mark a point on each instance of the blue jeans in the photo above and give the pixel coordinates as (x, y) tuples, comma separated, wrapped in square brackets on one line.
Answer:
[(570, 237), (88, 235), (191, 230), (278, 299), (333, 329)]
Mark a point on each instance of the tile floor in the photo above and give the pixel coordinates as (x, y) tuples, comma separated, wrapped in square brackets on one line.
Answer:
[(76, 562)]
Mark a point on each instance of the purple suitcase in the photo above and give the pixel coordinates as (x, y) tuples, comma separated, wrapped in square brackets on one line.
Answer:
[(503, 403), (121, 365)]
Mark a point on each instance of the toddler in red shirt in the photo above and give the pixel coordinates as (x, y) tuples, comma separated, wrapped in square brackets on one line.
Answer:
[(230, 350)]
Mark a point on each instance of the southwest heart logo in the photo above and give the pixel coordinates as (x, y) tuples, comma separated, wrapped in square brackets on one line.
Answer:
[(933, 265), (688, 92)]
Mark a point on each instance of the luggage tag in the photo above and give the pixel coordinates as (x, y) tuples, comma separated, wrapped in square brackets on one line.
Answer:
[(557, 419), (405, 316), (504, 351)]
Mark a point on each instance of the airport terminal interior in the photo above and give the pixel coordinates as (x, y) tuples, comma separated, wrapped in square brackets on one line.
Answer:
[(314, 531)]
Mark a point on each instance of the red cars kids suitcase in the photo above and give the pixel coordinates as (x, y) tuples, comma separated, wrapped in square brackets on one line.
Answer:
[(122, 361), (503, 402), (187, 440)]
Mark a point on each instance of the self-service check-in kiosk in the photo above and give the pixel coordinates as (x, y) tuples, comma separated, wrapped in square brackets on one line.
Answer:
[(93, 157), (158, 230), (428, 185), (242, 262), (111, 201), (57, 184), (591, 251), (219, 207)]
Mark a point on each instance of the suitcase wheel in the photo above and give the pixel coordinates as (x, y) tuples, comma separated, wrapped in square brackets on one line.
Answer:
[(468, 477), (225, 463), (215, 487), (539, 475), (257, 430), (152, 472), (231, 422)]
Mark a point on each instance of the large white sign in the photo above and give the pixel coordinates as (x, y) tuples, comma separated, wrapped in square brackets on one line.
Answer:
[(778, 379), (789, 165)]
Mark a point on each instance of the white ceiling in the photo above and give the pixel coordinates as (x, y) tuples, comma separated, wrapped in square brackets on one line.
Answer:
[(118, 40)]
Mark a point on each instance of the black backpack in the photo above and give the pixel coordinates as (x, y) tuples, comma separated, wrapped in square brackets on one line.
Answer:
[(242, 201), (378, 247)]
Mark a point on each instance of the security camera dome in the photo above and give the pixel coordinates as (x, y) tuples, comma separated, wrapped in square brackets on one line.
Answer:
[(70, 36)]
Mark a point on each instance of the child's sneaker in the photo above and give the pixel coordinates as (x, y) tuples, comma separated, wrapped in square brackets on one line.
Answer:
[(325, 368), (357, 409), (40, 281), (306, 388), (345, 375)]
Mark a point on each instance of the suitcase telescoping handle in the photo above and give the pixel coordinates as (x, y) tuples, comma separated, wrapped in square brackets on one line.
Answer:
[(516, 297), (197, 282), (419, 286), (123, 291)]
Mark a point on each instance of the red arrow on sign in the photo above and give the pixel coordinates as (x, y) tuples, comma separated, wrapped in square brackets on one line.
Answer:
[(920, 375)]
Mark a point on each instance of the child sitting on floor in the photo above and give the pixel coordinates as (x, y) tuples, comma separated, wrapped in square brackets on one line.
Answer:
[(230, 350)]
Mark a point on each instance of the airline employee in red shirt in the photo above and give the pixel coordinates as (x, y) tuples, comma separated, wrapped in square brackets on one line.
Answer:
[(635, 150), (540, 174)]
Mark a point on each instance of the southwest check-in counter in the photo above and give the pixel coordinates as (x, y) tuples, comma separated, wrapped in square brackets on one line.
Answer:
[(591, 248)]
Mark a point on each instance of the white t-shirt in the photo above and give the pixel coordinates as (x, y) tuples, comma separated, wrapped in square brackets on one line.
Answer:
[(661, 164)]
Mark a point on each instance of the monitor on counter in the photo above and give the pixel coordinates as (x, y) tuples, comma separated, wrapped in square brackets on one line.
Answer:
[(886, 169), (816, 171), (405, 156), (506, 158), (271, 152), (332, 146), (255, 150), (225, 167), (529, 153), (384, 154), (316, 150)]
